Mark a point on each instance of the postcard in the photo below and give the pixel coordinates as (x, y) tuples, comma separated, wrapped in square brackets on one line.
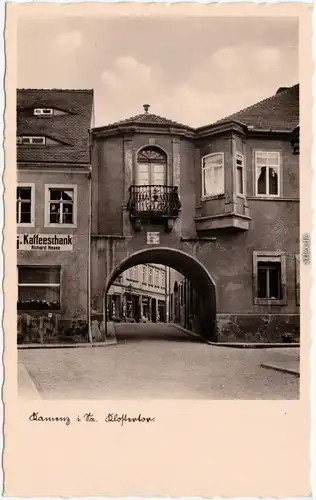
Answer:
[(158, 163)]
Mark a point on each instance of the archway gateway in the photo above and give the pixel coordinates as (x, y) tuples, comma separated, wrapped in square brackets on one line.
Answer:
[(190, 268)]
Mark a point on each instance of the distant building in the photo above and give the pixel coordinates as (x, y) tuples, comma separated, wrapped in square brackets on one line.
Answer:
[(139, 294)]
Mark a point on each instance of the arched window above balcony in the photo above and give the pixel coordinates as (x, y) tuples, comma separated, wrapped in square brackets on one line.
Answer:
[(151, 167)]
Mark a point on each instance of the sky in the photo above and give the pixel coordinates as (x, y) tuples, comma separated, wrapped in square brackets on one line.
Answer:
[(191, 70)]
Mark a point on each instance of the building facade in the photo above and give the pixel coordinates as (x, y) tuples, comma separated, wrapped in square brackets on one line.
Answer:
[(139, 294), (53, 172), (219, 204)]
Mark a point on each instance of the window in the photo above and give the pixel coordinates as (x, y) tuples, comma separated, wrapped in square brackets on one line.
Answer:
[(39, 288), (240, 179), (157, 277), (269, 278), (213, 174), (298, 278), (61, 205), (150, 276), (144, 274), (33, 140), (132, 274), (163, 279), (135, 273), (267, 164), (152, 167), (25, 205), (43, 111)]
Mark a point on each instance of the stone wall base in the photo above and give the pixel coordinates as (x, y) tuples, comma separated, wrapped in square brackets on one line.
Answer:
[(258, 328)]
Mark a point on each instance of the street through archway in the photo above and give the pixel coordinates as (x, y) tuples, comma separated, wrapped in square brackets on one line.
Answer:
[(192, 270)]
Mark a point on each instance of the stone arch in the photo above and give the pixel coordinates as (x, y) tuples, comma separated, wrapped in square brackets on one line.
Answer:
[(189, 267)]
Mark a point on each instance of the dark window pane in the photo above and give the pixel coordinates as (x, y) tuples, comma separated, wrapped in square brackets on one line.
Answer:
[(25, 217), (275, 281), (67, 194), (273, 181), (38, 298), (262, 181), (262, 282), (67, 218), (240, 184), (48, 294), (67, 208), (54, 218), (39, 275), (54, 208), (24, 193), (26, 206), (55, 194), (269, 280)]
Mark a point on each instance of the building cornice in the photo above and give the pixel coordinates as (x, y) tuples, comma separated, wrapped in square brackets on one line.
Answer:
[(232, 127), (44, 168), (130, 129)]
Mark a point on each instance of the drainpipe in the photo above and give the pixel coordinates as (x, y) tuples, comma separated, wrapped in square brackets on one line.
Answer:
[(89, 242)]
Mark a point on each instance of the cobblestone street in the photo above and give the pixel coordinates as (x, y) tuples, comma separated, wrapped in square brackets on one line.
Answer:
[(154, 366)]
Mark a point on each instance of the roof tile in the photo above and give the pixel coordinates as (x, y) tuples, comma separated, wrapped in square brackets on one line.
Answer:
[(71, 129), (146, 119), (279, 112)]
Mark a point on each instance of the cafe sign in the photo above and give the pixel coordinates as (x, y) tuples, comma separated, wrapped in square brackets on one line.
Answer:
[(45, 242)]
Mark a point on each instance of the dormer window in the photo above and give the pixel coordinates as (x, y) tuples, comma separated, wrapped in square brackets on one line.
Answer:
[(31, 140), (43, 111)]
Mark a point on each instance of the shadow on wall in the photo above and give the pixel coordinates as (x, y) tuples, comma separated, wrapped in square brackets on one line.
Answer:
[(189, 267)]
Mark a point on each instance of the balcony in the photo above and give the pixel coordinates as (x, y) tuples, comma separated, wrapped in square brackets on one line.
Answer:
[(154, 203)]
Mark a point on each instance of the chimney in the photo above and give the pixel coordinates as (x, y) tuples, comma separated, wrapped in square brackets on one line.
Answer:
[(146, 107)]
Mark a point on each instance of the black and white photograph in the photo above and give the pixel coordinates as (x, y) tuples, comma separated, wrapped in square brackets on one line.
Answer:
[(158, 158), (157, 208)]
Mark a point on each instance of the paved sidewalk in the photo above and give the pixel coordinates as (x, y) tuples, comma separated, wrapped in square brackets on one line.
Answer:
[(26, 386), (283, 360)]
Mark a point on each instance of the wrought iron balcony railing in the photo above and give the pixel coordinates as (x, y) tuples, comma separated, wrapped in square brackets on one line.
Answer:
[(154, 201)]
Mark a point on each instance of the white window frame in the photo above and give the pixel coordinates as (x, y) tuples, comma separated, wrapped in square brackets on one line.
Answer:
[(150, 276), (28, 140), (135, 273), (203, 168), (278, 167), (269, 256), (150, 165), (66, 187), (43, 111), (163, 279), (32, 186), (44, 285), (241, 157), (157, 278), (144, 274)]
